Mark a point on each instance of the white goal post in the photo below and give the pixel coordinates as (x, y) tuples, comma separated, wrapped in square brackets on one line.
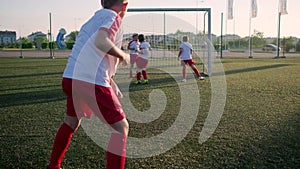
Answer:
[(207, 47)]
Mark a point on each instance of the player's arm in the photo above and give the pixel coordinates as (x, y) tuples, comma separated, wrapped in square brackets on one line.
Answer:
[(130, 47), (180, 51), (116, 89), (106, 45), (150, 47), (141, 49)]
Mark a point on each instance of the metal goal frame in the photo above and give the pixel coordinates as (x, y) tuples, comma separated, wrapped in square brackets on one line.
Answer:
[(209, 36)]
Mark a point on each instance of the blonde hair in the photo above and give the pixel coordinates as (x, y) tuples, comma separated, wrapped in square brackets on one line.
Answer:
[(185, 38)]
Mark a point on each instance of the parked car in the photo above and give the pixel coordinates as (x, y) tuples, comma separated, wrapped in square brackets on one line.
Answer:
[(270, 47)]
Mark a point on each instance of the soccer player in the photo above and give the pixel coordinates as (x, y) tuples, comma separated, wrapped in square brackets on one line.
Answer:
[(89, 87), (185, 55), (133, 47), (142, 61)]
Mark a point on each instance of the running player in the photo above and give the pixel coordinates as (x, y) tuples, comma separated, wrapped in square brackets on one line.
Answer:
[(89, 87), (185, 55)]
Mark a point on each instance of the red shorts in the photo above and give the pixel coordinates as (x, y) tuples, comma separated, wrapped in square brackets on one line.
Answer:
[(141, 63), (133, 58), (188, 62), (85, 99)]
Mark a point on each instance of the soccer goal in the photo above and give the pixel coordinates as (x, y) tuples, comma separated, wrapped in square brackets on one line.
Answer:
[(164, 29)]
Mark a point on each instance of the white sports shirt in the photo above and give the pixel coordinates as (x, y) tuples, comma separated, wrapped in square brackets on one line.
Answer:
[(134, 45), (88, 63), (145, 46), (186, 53)]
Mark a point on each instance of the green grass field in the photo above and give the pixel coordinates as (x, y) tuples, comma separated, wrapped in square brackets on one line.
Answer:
[(260, 126)]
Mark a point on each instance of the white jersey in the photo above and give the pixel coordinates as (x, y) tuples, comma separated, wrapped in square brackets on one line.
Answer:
[(133, 47), (88, 63), (145, 47), (186, 53)]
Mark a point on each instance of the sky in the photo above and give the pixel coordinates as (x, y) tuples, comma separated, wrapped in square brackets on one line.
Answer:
[(26, 17)]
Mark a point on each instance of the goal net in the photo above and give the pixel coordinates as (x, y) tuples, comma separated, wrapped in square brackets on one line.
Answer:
[(164, 29)]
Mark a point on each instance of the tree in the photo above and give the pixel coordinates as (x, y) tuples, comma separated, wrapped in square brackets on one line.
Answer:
[(239, 43), (287, 44), (258, 39), (298, 46), (71, 38), (26, 44), (73, 35), (52, 45), (38, 41)]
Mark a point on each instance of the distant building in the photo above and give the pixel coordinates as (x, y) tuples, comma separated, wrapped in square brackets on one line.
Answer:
[(69, 37), (271, 39), (7, 37), (228, 37), (231, 37), (34, 35)]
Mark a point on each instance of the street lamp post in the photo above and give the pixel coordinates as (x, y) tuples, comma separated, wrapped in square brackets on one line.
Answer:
[(21, 43), (50, 38)]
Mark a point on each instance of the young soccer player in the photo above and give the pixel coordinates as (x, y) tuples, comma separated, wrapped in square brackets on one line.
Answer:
[(89, 87), (142, 61), (133, 47), (185, 55)]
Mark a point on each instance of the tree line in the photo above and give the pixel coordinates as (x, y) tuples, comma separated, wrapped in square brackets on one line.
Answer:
[(257, 41), (40, 43), (287, 44)]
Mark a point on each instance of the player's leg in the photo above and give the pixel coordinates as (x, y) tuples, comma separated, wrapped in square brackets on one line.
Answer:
[(140, 64), (116, 149), (111, 111), (62, 141), (72, 121), (183, 71), (133, 58), (66, 130), (130, 70), (144, 72), (121, 126), (138, 76), (145, 75), (196, 71)]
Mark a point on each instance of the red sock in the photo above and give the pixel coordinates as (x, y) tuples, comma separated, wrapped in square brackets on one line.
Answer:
[(139, 76), (116, 151), (196, 72), (144, 74), (60, 145)]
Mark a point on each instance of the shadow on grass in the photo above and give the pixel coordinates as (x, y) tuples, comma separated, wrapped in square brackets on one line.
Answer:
[(30, 66), (18, 99), (32, 87), (31, 75), (157, 83), (252, 69)]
